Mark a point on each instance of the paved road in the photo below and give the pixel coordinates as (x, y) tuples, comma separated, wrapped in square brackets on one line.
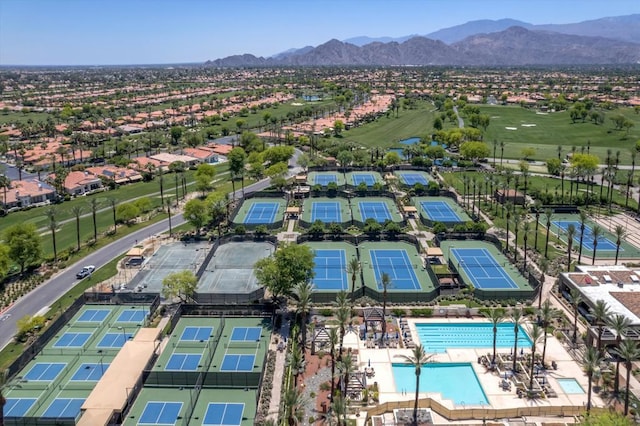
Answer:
[(47, 293), (12, 172)]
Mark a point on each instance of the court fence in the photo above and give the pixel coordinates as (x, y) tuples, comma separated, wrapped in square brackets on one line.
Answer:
[(484, 413), (32, 350), (260, 194)]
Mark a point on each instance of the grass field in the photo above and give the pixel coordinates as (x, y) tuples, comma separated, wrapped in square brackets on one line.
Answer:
[(555, 129), (386, 132)]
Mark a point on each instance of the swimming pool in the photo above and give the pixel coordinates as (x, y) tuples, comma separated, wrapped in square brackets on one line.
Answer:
[(570, 386), (438, 337), (455, 381)]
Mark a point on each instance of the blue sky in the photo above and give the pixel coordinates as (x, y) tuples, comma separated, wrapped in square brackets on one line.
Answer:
[(91, 32)]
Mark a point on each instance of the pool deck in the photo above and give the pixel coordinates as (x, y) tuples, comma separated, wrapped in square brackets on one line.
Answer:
[(381, 360)]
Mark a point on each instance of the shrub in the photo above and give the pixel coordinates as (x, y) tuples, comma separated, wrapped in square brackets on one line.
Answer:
[(422, 312)]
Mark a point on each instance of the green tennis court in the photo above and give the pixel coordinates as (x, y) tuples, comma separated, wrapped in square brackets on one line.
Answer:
[(606, 248), (261, 211)]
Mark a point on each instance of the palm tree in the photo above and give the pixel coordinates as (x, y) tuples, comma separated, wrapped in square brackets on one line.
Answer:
[(346, 367), (516, 316), (343, 315), (333, 342), (161, 182), (302, 294), (77, 212), (596, 231), (339, 408), (571, 232), (544, 268), (501, 152), (619, 324), (53, 225), (295, 359), (517, 219), (385, 280), (620, 235), (496, 316), (168, 202), (93, 204), (294, 406), (600, 314), (526, 228), (576, 300), (353, 269), (417, 359), (537, 209), (591, 362), (583, 219), (547, 314), (113, 203), (548, 213), (508, 205), (536, 333), (629, 352)]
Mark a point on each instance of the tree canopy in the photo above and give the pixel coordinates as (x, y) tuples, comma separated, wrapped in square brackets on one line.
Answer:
[(474, 150), (181, 285), (195, 212), (24, 244), (290, 265)]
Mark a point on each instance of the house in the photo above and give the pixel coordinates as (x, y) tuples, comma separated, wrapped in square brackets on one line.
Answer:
[(119, 175), (617, 286), (80, 183), (168, 158), (203, 154), (23, 193)]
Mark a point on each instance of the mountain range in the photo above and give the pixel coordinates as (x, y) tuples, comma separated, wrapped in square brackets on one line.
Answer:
[(505, 42)]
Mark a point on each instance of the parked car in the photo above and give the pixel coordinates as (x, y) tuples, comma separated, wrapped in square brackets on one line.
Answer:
[(85, 272), (134, 261)]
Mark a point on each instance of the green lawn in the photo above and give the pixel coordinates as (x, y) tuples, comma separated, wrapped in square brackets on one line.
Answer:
[(386, 132), (555, 129)]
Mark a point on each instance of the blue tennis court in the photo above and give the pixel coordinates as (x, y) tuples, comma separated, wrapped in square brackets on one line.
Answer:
[(397, 265), (223, 414), (326, 211), (114, 340), (45, 371), (325, 179), (366, 178), (377, 210), (482, 268), (89, 372), (132, 316), (330, 270), (160, 413), (604, 244), (246, 334), (261, 213), (196, 334), (413, 178), (439, 211), (72, 340), (17, 407), (94, 315), (64, 408), (183, 362), (236, 362)]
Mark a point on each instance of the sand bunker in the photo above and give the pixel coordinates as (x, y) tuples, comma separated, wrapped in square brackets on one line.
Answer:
[(542, 113), (528, 125), (511, 128), (296, 104)]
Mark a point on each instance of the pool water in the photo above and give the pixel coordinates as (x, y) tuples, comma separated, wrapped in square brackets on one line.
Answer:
[(438, 337), (410, 141), (455, 381), (570, 386)]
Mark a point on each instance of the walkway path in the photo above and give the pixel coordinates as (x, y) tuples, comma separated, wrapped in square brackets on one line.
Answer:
[(460, 121), (280, 368)]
